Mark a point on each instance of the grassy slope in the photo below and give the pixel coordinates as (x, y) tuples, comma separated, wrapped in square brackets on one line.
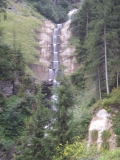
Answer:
[(21, 21)]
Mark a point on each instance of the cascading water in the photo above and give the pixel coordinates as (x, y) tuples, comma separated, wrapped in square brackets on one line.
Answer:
[(71, 13), (55, 65)]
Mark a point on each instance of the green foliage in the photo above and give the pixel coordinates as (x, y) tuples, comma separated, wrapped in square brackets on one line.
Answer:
[(63, 117), (105, 135), (114, 155), (23, 27), (105, 145), (88, 26), (94, 135), (57, 12), (15, 111), (11, 63), (81, 122), (113, 100), (75, 151), (6, 65), (118, 140), (78, 79), (116, 123), (34, 144), (116, 127)]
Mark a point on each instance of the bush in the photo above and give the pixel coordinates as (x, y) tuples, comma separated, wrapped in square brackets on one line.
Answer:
[(75, 151), (105, 145), (118, 140), (116, 123), (94, 136), (106, 135)]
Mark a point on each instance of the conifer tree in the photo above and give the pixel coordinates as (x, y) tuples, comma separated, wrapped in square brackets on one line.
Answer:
[(61, 130), (35, 145)]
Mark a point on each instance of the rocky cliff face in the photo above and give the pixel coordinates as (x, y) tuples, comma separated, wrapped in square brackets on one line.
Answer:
[(67, 58), (44, 40)]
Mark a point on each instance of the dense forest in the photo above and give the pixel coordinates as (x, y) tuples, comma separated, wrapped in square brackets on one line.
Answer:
[(29, 129), (96, 27), (56, 12)]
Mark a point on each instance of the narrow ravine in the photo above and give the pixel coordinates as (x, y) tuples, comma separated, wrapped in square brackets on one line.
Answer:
[(56, 49)]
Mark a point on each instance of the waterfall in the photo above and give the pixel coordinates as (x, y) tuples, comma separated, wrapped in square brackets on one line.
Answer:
[(71, 13), (54, 70), (55, 64)]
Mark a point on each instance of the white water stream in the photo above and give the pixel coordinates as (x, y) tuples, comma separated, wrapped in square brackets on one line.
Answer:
[(55, 64)]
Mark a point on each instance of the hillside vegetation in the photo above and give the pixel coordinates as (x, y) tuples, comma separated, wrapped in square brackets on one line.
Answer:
[(29, 128), (55, 10), (18, 25)]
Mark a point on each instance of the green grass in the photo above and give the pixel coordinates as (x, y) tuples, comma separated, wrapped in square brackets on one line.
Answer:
[(111, 155), (24, 35), (19, 27)]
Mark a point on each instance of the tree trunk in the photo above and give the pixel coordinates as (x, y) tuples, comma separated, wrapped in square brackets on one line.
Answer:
[(99, 84), (105, 52)]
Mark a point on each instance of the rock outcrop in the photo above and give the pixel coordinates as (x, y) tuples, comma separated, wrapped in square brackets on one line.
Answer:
[(100, 122), (6, 87), (67, 58), (44, 40)]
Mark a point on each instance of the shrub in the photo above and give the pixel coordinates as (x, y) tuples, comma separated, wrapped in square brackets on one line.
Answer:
[(116, 123), (106, 135), (94, 135), (105, 146), (75, 151), (118, 140)]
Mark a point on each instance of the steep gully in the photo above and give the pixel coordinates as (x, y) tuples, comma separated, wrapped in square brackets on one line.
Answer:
[(55, 52), (56, 45), (45, 48), (55, 64), (55, 68)]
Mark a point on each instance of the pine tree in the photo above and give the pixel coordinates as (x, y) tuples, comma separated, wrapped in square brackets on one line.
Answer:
[(36, 145), (61, 130)]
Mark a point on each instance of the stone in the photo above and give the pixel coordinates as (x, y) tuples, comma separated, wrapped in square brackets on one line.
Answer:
[(101, 122), (6, 87)]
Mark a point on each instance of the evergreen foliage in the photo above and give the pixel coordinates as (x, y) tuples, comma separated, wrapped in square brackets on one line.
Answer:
[(63, 118), (36, 145), (96, 25), (57, 12), (27, 122)]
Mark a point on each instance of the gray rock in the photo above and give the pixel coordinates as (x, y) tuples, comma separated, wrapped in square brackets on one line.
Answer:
[(7, 88)]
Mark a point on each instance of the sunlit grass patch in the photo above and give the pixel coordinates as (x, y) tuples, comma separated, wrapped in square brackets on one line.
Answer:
[(20, 29)]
